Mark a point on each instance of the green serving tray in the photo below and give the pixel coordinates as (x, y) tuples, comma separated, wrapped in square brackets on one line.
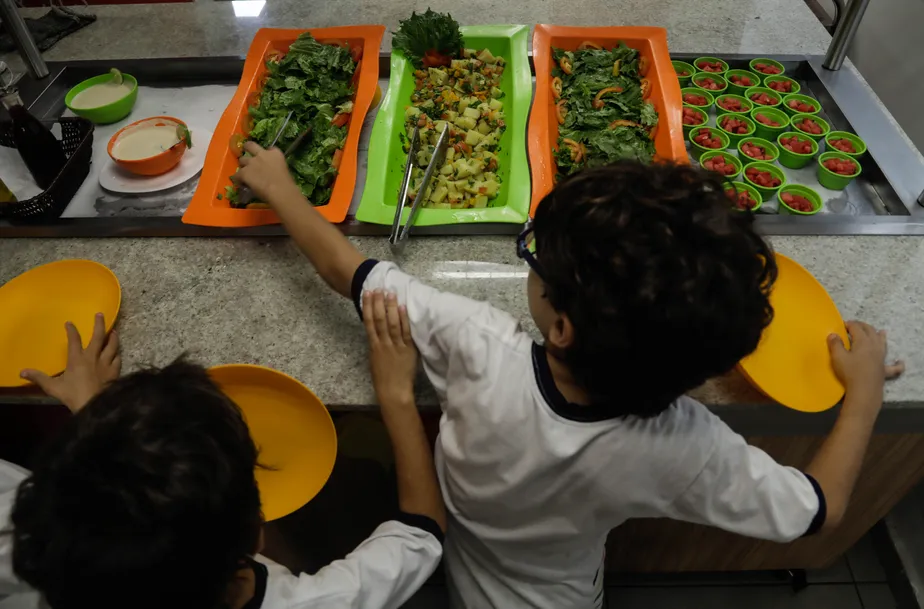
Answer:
[(387, 157)]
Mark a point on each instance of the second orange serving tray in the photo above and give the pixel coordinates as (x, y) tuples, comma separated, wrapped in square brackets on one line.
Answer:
[(651, 42), (205, 208)]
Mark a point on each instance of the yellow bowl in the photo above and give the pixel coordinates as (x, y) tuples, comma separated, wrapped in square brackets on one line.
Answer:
[(292, 430), (35, 306), (792, 364)]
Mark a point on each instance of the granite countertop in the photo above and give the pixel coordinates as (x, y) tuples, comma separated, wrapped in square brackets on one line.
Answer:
[(259, 301)]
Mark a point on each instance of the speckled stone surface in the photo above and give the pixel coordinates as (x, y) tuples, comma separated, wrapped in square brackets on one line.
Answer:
[(258, 301)]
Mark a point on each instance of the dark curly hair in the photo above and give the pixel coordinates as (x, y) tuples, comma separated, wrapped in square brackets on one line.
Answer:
[(664, 283), (146, 500)]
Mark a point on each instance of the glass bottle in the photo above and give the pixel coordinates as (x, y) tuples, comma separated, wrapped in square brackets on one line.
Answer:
[(39, 148)]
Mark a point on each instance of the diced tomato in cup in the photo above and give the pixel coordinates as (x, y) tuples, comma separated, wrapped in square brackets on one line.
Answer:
[(682, 74), (797, 202), (741, 81), (755, 152), (842, 167), (782, 86), (709, 84), (720, 164), (692, 117), (809, 126), (762, 98), (762, 178), (734, 125), (742, 199), (710, 66), (794, 144), (705, 139), (843, 145), (766, 120), (799, 106), (732, 105), (767, 68), (694, 100)]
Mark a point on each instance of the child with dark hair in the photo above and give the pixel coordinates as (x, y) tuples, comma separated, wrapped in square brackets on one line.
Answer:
[(644, 283), (148, 498)]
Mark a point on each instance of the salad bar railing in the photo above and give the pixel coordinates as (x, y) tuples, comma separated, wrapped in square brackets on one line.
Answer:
[(880, 201)]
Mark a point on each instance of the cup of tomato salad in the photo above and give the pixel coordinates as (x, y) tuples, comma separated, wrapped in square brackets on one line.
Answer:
[(799, 200), (713, 83)]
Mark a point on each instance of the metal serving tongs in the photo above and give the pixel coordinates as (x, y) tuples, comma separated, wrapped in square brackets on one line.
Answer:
[(399, 233), (244, 194)]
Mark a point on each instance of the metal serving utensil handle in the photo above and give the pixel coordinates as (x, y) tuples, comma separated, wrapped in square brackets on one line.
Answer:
[(405, 186), (436, 161)]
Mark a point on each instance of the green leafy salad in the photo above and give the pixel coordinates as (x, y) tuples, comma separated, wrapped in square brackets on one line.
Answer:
[(314, 81), (601, 107)]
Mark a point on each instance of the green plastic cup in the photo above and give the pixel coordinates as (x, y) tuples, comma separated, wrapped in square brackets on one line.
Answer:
[(710, 60), (110, 113), (696, 151), (682, 66), (729, 158), (742, 187), (769, 132), (745, 103), (766, 193), (796, 87), (858, 144), (701, 112), (776, 97), (825, 127), (805, 191), (710, 98), (718, 78), (753, 63), (835, 181), (740, 89), (802, 98), (768, 146), (791, 159), (734, 138)]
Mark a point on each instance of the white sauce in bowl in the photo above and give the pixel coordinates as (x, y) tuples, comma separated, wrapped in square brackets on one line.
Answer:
[(100, 95), (144, 142)]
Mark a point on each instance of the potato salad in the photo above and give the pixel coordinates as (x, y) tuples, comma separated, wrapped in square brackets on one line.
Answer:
[(466, 97)]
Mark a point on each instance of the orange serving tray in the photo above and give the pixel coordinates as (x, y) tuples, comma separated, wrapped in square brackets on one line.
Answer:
[(651, 42), (205, 208)]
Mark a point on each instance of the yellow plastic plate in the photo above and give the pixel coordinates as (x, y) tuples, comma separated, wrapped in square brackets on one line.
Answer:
[(35, 306), (791, 364), (292, 430)]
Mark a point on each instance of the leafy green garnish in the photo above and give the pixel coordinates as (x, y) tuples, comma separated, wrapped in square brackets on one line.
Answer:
[(313, 80), (429, 31)]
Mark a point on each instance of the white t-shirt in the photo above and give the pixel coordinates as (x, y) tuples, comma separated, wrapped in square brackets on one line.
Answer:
[(533, 484), (381, 573)]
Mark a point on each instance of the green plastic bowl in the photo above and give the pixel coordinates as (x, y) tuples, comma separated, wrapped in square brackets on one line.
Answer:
[(825, 127), (766, 193), (712, 60), (744, 102), (730, 158), (739, 186), (791, 159), (773, 95), (768, 146), (796, 87), (769, 132), (835, 181), (696, 150), (710, 98), (682, 66), (701, 112), (758, 60), (110, 113), (802, 98), (718, 78), (805, 191), (740, 89), (734, 138), (858, 144)]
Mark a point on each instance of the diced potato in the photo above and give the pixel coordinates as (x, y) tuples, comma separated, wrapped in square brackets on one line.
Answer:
[(483, 128), (465, 122), (423, 158), (451, 115), (463, 104), (412, 112), (496, 104), (471, 113), (472, 138), (458, 64), (469, 52), (441, 206), (438, 77), (487, 57), (446, 169), (438, 126), (497, 93), (427, 104), (439, 194), (450, 154), (491, 188), (474, 187), (481, 201), (463, 169)]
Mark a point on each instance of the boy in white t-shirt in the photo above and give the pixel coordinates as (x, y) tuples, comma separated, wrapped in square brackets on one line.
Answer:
[(644, 283), (148, 498)]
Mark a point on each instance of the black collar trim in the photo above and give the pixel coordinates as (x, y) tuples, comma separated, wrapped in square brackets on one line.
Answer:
[(261, 574), (557, 402)]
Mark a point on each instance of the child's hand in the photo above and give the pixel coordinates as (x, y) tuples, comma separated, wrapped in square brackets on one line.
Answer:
[(863, 367), (266, 173), (88, 370), (392, 352)]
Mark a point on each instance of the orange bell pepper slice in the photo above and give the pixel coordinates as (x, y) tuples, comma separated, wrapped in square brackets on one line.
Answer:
[(589, 45), (565, 64), (561, 111), (577, 151), (643, 65), (598, 103), (621, 122), (556, 87), (646, 88)]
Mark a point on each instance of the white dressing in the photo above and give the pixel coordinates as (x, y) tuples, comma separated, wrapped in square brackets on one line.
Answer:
[(100, 95), (144, 142)]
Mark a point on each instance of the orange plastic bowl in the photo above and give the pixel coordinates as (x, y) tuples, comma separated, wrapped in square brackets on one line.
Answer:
[(152, 165)]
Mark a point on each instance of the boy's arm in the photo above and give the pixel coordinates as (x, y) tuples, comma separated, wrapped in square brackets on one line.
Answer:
[(332, 254)]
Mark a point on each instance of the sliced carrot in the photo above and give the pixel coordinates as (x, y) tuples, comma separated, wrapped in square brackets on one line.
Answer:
[(577, 152), (643, 66), (598, 103), (556, 87), (565, 64), (341, 119), (621, 122), (646, 88), (561, 111), (338, 156)]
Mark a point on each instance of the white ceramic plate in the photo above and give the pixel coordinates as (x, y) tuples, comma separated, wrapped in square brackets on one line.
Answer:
[(115, 179)]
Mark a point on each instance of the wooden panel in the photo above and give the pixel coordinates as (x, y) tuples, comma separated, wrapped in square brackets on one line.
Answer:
[(894, 464)]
